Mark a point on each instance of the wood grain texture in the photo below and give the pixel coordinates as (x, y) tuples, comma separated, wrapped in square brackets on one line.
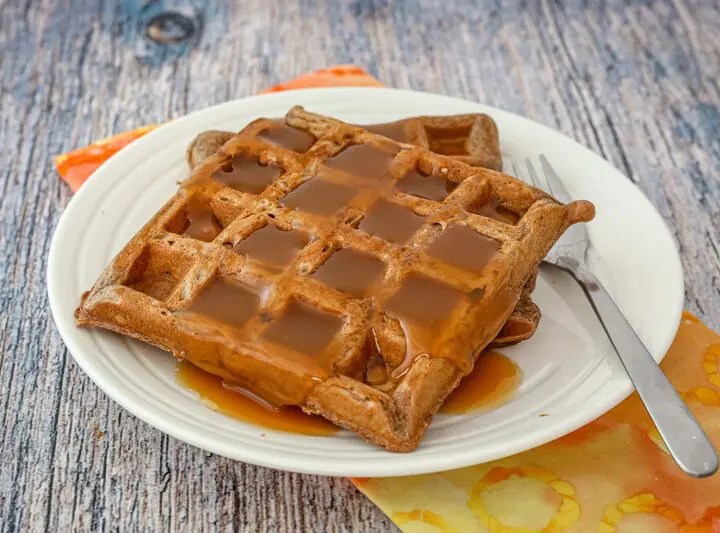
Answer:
[(635, 81)]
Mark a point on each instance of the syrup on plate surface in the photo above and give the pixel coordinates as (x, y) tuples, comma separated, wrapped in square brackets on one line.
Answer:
[(243, 407), (493, 381)]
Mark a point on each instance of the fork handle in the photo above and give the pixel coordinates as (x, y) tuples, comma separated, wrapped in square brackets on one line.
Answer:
[(688, 445)]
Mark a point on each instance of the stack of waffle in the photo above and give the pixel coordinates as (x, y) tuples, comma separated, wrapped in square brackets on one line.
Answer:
[(348, 270)]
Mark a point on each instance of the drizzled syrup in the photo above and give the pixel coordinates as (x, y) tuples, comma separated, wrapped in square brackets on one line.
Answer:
[(247, 407), (493, 381)]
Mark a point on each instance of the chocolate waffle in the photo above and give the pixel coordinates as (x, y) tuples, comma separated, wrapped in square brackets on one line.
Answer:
[(298, 264), (471, 138)]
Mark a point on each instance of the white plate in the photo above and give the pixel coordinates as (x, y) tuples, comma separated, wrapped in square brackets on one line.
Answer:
[(570, 372)]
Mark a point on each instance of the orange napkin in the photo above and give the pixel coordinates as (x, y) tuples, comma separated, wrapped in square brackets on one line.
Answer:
[(613, 475), (75, 167)]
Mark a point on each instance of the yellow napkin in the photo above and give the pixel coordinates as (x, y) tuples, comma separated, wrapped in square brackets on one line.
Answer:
[(612, 475)]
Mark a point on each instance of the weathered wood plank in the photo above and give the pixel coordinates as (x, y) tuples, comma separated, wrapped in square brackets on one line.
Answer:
[(635, 81)]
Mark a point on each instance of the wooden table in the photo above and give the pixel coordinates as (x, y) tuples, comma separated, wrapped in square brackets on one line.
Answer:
[(637, 83)]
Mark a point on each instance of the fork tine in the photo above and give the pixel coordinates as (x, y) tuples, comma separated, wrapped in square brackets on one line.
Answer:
[(516, 171), (533, 175), (557, 189)]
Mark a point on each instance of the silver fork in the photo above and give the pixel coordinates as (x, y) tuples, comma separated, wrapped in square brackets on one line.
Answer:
[(689, 446)]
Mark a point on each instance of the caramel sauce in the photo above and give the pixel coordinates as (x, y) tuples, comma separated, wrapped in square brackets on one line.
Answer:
[(362, 160), (421, 305), (492, 382), (303, 328), (280, 134), (424, 302), (391, 222), (431, 187), (201, 222), (273, 246), (249, 408), (493, 210), (246, 174), (391, 130), (464, 248), (225, 302), (319, 196), (350, 271)]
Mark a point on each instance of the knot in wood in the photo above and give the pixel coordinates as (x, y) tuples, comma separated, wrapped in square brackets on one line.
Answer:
[(170, 27)]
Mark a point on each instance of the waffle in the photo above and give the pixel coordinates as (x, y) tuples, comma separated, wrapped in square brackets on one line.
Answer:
[(244, 271), (471, 138)]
